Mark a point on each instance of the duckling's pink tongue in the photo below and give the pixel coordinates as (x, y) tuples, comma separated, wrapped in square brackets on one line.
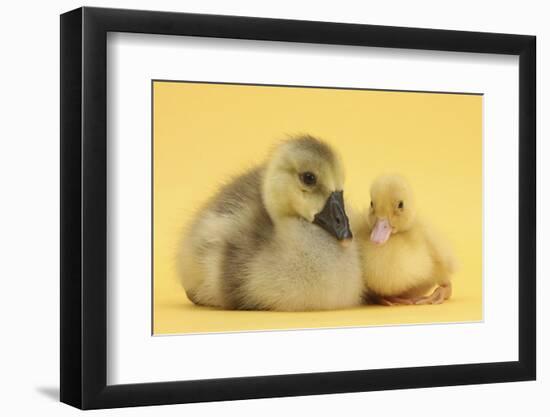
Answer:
[(381, 232)]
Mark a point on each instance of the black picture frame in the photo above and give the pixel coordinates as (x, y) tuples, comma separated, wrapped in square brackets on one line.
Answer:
[(84, 207)]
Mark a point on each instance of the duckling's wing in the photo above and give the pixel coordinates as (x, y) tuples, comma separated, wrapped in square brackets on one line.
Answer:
[(441, 252)]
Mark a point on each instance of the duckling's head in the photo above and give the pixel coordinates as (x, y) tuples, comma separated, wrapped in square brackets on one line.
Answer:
[(392, 207), (304, 179)]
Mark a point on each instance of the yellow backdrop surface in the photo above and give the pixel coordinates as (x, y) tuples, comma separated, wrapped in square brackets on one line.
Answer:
[(204, 134)]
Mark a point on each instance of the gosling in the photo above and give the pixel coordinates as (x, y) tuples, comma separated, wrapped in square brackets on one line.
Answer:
[(276, 238)]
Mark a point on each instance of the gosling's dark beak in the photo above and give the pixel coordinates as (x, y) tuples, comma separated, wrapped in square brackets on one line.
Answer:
[(333, 217)]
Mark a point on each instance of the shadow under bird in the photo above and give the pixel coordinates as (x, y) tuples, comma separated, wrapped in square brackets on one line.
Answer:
[(276, 238)]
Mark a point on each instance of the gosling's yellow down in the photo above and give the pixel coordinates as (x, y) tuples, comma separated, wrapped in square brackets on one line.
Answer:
[(276, 237), (403, 257)]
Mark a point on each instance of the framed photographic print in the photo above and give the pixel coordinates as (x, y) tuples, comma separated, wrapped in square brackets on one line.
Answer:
[(257, 207)]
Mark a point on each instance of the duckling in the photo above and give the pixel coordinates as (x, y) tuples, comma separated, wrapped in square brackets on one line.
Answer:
[(403, 257), (276, 238)]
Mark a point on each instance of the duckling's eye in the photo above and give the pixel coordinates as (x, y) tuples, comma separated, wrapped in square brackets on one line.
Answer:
[(308, 178), (400, 205), (371, 205)]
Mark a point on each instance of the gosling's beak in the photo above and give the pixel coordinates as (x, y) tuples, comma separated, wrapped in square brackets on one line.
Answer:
[(333, 218)]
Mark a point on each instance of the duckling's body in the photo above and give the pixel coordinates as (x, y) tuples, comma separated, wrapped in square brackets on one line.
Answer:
[(253, 247), (403, 256)]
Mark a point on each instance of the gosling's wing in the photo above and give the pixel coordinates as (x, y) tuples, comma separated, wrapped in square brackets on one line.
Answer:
[(241, 193), (232, 214), (242, 228)]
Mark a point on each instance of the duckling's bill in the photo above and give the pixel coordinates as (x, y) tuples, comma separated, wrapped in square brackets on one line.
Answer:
[(333, 218), (381, 231)]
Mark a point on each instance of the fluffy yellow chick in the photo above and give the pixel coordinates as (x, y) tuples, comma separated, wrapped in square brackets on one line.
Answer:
[(276, 238), (403, 258)]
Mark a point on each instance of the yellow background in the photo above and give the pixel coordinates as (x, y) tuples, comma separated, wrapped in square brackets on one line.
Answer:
[(206, 133)]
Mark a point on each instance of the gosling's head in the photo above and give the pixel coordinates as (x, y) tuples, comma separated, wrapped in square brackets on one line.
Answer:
[(304, 179), (392, 207)]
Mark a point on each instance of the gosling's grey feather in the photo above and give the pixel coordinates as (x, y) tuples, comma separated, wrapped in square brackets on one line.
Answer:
[(243, 197), (239, 198)]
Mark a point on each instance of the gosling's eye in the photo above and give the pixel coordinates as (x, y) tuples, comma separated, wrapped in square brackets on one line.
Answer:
[(308, 178), (371, 205), (400, 205)]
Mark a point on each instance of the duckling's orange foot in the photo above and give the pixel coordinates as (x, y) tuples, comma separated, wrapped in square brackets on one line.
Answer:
[(393, 301), (440, 294)]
